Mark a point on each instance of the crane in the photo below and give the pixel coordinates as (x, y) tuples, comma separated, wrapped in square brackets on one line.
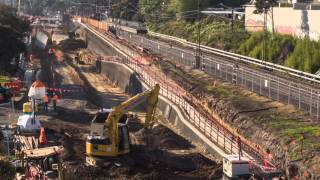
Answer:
[(111, 138)]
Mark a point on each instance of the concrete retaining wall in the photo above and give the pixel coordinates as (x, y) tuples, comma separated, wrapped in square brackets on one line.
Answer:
[(129, 82)]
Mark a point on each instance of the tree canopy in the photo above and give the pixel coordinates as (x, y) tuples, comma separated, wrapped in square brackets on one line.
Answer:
[(12, 32), (262, 5)]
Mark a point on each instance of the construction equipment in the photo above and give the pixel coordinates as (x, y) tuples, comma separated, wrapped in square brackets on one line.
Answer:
[(28, 123), (41, 163), (112, 138)]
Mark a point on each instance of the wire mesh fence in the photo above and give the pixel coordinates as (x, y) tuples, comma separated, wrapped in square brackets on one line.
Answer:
[(215, 130), (286, 90)]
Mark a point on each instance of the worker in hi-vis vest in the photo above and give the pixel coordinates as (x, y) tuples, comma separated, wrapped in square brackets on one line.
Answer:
[(54, 101), (45, 102)]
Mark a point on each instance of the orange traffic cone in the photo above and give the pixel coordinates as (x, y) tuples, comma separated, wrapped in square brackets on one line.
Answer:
[(42, 138)]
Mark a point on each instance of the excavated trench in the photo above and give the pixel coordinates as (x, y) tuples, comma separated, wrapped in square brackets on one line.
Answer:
[(230, 113), (169, 156)]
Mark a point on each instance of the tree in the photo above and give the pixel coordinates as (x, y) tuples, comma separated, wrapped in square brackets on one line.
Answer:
[(263, 6), (154, 10), (12, 31), (125, 9), (58, 6), (186, 8)]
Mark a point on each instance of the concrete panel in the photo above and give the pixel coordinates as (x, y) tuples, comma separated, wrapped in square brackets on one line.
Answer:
[(286, 21)]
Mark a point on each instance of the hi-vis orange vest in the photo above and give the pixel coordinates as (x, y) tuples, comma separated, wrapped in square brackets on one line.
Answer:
[(45, 99), (55, 98)]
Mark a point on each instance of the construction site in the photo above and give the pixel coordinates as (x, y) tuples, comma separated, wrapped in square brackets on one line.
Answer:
[(60, 152), (94, 105)]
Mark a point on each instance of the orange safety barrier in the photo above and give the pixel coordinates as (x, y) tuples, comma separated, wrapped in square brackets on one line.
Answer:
[(15, 87)]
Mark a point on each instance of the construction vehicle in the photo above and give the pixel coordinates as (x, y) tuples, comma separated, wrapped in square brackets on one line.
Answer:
[(28, 123), (111, 138)]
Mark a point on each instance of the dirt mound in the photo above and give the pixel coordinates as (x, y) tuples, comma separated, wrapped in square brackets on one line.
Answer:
[(163, 138), (72, 44), (142, 164)]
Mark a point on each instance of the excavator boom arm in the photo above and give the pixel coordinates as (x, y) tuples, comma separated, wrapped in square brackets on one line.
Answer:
[(149, 96)]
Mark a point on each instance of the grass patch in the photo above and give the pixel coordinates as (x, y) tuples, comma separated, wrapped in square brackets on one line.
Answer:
[(223, 91), (291, 132), (294, 128), (313, 130)]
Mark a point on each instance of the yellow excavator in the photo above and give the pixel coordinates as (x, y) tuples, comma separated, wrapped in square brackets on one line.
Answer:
[(110, 137)]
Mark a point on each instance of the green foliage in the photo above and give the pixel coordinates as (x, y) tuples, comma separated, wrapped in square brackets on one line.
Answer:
[(176, 28), (182, 6), (301, 54), (125, 9), (218, 34), (152, 10), (250, 44), (306, 56), (7, 171), (58, 6), (262, 5), (12, 31), (281, 49), (278, 47)]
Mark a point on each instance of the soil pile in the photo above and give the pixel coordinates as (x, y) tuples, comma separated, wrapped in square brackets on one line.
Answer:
[(171, 157), (162, 137), (72, 44)]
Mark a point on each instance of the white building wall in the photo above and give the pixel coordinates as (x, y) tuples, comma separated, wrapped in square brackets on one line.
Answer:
[(286, 21)]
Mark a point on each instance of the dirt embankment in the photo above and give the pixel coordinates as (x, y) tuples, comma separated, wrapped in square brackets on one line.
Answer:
[(273, 125)]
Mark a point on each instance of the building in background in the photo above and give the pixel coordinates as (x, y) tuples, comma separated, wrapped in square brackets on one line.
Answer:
[(299, 18)]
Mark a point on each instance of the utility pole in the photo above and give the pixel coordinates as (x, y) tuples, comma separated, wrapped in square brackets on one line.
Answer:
[(19, 6), (265, 25), (198, 53), (232, 14), (232, 23), (272, 20)]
